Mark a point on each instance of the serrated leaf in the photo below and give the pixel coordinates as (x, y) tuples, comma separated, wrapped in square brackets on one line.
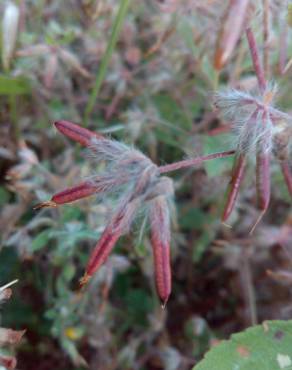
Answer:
[(262, 347)]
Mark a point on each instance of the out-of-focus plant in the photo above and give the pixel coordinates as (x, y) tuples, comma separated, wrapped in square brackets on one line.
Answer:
[(264, 346), (10, 25), (155, 93), (260, 130), (8, 337)]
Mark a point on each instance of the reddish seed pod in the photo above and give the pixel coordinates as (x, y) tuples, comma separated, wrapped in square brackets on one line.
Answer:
[(236, 180), (229, 34), (117, 226), (100, 253), (160, 240), (255, 59), (263, 180), (287, 173), (263, 184), (80, 191), (77, 133), (69, 195)]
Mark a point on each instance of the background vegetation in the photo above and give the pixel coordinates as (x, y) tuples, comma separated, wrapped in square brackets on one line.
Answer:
[(151, 89)]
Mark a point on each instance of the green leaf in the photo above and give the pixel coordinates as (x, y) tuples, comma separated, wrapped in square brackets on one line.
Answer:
[(192, 218), (14, 85), (40, 241), (214, 144), (171, 112), (262, 347), (4, 196)]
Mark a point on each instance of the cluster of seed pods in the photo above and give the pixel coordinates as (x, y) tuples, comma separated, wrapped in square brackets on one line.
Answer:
[(140, 184), (260, 129)]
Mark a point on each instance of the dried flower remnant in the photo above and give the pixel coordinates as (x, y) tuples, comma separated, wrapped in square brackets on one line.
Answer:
[(260, 130), (8, 336), (137, 183)]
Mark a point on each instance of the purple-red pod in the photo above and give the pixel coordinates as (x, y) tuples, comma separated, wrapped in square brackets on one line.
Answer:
[(287, 173), (263, 182), (77, 192), (256, 59), (230, 32), (69, 195), (160, 240), (77, 133), (107, 241), (233, 189), (263, 185)]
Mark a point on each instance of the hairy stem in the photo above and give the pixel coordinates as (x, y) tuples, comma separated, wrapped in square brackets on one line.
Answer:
[(194, 161), (236, 180), (256, 59), (266, 35)]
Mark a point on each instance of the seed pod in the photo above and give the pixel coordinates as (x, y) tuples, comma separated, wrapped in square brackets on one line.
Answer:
[(83, 190), (231, 28), (77, 133), (263, 185), (117, 227), (263, 180), (236, 179), (160, 240), (9, 33)]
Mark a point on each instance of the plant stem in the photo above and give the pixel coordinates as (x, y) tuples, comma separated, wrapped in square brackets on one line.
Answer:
[(106, 58), (248, 287), (194, 161), (255, 59)]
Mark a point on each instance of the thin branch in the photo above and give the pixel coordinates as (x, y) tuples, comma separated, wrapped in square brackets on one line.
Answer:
[(255, 59), (266, 36), (193, 161)]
